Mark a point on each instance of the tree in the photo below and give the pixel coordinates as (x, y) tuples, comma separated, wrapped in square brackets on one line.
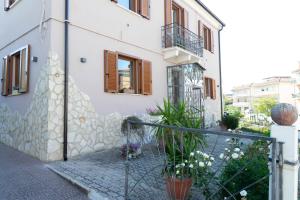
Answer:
[(264, 105)]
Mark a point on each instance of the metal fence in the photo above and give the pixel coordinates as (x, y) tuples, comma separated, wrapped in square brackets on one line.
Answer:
[(165, 161), (175, 35)]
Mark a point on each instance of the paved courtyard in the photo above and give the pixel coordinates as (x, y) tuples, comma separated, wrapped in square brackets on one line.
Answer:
[(104, 172), (25, 178)]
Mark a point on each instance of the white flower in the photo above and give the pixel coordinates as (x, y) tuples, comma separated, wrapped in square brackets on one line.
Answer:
[(227, 140), (242, 153), (221, 156), (185, 161), (182, 164), (196, 161), (209, 163), (192, 154), (201, 164), (191, 166), (177, 166), (226, 149), (177, 172), (212, 158), (229, 130), (205, 155), (235, 155), (198, 152), (243, 193), (237, 150)]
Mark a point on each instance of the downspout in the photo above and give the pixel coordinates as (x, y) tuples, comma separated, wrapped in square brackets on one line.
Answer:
[(220, 71), (66, 81)]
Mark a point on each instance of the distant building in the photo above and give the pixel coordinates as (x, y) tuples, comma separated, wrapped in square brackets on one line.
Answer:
[(282, 88)]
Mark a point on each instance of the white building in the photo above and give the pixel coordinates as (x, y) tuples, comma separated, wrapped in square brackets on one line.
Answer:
[(281, 88), (120, 57)]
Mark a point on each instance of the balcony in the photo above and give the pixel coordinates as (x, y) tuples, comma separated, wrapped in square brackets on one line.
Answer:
[(180, 45)]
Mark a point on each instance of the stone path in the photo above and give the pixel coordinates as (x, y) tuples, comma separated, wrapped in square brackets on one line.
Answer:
[(25, 178)]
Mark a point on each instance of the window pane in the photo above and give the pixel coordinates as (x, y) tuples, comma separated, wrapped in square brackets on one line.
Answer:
[(124, 3), (125, 71)]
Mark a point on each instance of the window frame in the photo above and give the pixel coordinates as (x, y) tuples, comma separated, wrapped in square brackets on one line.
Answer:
[(11, 69), (210, 88), (135, 6)]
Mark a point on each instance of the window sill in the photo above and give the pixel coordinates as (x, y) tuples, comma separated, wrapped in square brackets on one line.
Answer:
[(127, 94)]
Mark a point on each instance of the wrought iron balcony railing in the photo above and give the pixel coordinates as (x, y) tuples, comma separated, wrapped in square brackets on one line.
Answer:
[(174, 35)]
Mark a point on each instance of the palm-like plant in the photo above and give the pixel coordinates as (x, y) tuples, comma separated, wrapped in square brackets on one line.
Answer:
[(177, 144)]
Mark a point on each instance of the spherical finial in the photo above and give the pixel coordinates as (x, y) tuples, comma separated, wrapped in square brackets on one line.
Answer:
[(284, 114)]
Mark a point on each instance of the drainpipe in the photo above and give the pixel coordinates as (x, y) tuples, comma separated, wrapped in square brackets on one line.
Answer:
[(66, 81), (220, 70)]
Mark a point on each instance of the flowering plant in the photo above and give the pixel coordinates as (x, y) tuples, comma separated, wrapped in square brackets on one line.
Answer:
[(134, 150)]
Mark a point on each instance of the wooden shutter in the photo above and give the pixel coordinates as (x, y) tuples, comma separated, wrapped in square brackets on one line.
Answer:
[(145, 8), (185, 19), (110, 71), (5, 76), (213, 89), (145, 79), (24, 69), (212, 41), (199, 28), (168, 12)]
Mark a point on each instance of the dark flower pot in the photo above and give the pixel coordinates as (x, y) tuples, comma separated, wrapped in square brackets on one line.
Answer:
[(178, 189)]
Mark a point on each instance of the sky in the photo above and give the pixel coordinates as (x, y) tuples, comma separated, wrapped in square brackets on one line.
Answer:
[(261, 39)]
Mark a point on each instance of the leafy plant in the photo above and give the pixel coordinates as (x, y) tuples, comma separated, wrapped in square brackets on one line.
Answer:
[(230, 121), (252, 168), (178, 145)]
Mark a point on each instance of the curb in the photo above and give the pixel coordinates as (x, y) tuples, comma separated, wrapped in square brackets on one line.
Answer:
[(93, 195)]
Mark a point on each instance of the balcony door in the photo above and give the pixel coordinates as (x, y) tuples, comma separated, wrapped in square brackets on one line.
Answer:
[(177, 14)]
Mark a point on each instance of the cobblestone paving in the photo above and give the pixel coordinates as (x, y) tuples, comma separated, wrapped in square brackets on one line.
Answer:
[(104, 172), (25, 178)]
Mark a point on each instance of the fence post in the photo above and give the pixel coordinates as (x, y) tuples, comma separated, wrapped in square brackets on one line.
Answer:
[(287, 134)]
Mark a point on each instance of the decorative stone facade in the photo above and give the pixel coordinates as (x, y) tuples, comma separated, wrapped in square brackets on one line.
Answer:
[(39, 132)]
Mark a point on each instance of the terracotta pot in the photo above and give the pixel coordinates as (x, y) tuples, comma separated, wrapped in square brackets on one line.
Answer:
[(284, 114), (178, 189)]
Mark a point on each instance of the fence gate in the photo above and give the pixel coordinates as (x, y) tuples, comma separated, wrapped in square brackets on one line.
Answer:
[(220, 165)]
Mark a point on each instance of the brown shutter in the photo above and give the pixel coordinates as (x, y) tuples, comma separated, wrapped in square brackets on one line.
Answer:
[(168, 12), (212, 42), (146, 77), (209, 39), (110, 72), (199, 28), (24, 69), (213, 89), (134, 5), (186, 19), (5, 77), (116, 1), (145, 8)]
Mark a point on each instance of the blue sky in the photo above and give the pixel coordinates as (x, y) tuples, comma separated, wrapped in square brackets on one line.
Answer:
[(261, 38)]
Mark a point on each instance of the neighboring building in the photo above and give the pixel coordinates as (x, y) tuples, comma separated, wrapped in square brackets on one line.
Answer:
[(281, 88), (122, 56)]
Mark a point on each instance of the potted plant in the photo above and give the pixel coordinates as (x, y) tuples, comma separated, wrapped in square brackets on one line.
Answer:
[(135, 137), (179, 147)]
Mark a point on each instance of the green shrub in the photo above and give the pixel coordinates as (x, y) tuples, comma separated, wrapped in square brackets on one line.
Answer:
[(255, 164), (231, 121), (261, 130)]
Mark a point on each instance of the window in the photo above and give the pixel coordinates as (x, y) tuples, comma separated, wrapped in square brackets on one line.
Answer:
[(208, 39), (126, 80), (8, 4), (210, 88), (15, 72), (127, 74), (142, 7)]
